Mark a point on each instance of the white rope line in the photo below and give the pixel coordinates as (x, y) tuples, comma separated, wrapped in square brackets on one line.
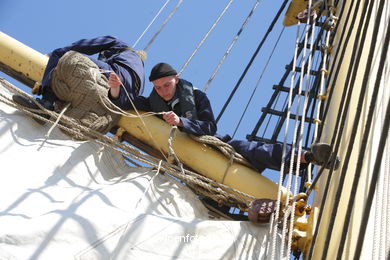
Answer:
[(150, 24), (294, 138), (322, 92), (138, 114), (382, 191), (281, 173), (307, 84), (163, 25), (149, 185), (230, 47), (386, 221), (204, 38), (47, 135), (136, 205)]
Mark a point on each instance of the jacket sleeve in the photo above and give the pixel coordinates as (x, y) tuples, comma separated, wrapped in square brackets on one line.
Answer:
[(205, 124), (85, 46)]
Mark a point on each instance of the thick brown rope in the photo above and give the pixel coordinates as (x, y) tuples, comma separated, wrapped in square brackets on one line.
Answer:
[(76, 80), (225, 148)]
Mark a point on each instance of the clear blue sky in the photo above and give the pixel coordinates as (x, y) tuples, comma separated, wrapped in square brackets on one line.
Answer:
[(45, 25)]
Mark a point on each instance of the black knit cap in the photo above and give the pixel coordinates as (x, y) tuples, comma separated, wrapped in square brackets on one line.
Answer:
[(161, 70)]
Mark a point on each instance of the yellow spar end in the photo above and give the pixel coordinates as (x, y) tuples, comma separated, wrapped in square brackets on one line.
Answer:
[(23, 62)]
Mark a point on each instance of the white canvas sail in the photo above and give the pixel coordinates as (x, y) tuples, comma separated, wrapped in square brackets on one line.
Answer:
[(64, 199)]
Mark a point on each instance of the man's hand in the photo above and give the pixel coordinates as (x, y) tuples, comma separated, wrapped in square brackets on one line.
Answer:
[(172, 119), (114, 82)]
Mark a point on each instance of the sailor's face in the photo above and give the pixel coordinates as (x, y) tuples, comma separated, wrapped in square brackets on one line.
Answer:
[(166, 87)]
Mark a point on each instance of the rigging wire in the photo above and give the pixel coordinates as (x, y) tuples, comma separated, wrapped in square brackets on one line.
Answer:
[(277, 211), (374, 180), (147, 28), (301, 127), (351, 81), (339, 53), (252, 59), (163, 25), (230, 46), (274, 95), (344, 103), (258, 81), (205, 37), (369, 115), (277, 98)]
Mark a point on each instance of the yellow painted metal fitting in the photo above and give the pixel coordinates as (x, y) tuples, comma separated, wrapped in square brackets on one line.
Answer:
[(322, 97), (119, 132), (317, 121), (36, 90), (325, 71)]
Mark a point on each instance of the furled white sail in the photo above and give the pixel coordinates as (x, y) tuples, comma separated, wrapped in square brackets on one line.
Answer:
[(64, 199)]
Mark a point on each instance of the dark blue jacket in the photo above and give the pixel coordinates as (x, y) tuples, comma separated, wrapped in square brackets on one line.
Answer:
[(204, 125), (124, 62)]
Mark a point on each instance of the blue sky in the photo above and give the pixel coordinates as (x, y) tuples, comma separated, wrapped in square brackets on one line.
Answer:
[(45, 25)]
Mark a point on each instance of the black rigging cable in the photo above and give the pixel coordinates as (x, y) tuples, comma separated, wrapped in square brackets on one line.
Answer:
[(252, 59), (359, 42), (367, 130), (340, 51), (373, 183), (258, 83)]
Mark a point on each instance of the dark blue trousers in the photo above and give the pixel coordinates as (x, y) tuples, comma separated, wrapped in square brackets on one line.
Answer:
[(261, 155)]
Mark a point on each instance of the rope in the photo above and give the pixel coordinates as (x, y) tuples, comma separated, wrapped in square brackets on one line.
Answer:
[(122, 237), (301, 128), (295, 133), (386, 180), (386, 220), (361, 39), (321, 93), (370, 113), (252, 59), (229, 195), (163, 25), (339, 53), (230, 47), (373, 183), (281, 173), (258, 82), (55, 124), (225, 148), (126, 114), (147, 27), (204, 38), (171, 153)]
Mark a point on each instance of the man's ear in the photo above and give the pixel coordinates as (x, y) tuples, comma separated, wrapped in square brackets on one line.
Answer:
[(176, 79)]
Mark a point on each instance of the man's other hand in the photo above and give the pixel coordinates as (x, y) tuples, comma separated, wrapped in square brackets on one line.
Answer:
[(172, 119)]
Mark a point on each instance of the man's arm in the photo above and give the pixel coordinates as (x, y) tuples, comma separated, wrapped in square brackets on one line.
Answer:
[(85, 46)]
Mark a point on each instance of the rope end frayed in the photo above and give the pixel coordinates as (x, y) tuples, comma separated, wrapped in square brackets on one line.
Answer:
[(142, 54), (37, 89)]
